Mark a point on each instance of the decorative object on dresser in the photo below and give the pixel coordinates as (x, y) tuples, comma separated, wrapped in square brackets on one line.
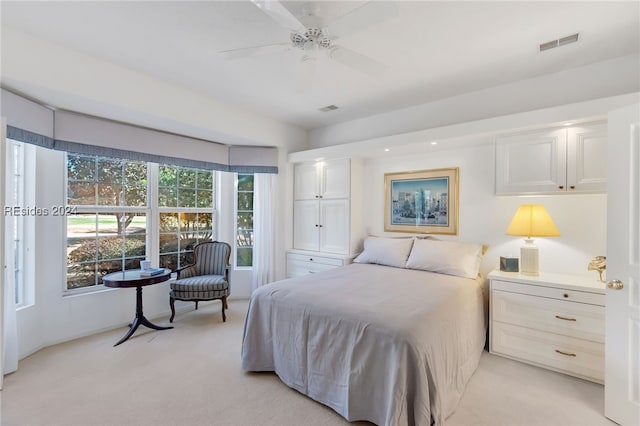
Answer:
[(508, 264), (423, 201), (554, 321), (598, 263), (531, 220)]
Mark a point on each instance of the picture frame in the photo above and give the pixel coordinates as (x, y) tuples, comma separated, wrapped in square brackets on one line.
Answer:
[(424, 201)]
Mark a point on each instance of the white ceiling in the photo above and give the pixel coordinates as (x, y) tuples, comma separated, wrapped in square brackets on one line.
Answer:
[(431, 50)]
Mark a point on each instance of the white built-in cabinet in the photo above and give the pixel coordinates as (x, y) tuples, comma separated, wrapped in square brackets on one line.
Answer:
[(554, 321), (326, 207), (557, 160)]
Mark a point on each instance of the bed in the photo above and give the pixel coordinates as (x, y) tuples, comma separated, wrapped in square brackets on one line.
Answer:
[(387, 344)]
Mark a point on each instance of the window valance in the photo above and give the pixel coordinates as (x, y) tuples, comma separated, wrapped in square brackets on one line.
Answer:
[(30, 122)]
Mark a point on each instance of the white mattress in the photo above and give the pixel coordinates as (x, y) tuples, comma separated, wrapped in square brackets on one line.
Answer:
[(389, 345)]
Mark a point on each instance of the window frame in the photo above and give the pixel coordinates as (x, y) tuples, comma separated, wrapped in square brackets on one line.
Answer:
[(157, 210), (152, 211), (24, 224), (96, 209), (237, 211)]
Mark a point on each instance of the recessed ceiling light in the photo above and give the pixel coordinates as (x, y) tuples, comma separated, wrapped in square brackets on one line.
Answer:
[(568, 124), (434, 143), (387, 150)]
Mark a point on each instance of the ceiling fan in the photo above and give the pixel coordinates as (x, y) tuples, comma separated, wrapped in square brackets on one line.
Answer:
[(316, 37)]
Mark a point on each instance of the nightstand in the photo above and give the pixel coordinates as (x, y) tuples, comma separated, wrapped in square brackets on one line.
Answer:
[(554, 321), (301, 262)]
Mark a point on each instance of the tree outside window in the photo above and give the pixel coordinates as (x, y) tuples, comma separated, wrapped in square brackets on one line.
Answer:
[(186, 206), (244, 223), (108, 231)]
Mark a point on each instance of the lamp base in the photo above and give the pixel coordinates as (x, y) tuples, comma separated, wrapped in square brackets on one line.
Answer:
[(529, 258)]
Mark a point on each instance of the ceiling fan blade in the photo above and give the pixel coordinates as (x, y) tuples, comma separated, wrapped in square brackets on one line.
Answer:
[(276, 11), (358, 19), (244, 52), (355, 60)]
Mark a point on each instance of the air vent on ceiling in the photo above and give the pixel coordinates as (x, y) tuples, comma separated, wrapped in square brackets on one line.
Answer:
[(559, 42), (328, 108)]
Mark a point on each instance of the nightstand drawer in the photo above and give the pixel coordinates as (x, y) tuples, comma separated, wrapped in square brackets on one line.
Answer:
[(315, 259), (296, 268), (571, 319), (578, 357), (550, 292)]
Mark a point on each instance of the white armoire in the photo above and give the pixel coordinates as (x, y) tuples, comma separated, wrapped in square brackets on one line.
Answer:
[(327, 228)]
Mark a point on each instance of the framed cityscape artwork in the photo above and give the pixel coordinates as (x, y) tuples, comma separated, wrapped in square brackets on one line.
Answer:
[(423, 201)]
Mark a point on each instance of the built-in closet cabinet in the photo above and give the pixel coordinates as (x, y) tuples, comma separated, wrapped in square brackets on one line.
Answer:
[(557, 160), (326, 214)]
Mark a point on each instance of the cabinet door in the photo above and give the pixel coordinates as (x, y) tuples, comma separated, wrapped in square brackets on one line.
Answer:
[(335, 179), (306, 185), (306, 225), (531, 162), (587, 158), (334, 230)]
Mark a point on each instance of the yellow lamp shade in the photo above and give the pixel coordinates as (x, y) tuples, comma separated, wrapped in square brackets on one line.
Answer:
[(532, 220)]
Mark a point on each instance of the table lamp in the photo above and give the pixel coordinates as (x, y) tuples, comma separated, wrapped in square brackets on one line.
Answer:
[(531, 220)]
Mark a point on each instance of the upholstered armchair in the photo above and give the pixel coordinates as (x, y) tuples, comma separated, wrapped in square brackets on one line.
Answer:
[(206, 279)]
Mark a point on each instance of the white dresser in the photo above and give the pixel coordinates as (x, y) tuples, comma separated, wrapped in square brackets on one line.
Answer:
[(301, 262), (555, 321)]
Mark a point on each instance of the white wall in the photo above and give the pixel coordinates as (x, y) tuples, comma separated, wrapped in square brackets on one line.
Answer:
[(484, 217), (576, 85)]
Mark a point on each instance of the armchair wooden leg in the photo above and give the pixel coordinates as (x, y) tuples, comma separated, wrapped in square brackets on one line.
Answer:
[(224, 305), (173, 308)]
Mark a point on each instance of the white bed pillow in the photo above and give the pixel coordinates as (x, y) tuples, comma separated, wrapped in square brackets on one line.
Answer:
[(446, 257), (385, 251)]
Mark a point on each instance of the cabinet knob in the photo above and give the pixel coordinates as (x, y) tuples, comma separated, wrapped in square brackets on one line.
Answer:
[(317, 196), (572, 187), (316, 225), (561, 187), (615, 285), (320, 226), (311, 259)]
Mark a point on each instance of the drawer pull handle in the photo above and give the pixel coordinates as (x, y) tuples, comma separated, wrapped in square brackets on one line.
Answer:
[(565, 295), (312, 272), (565, 318), (565, 353)]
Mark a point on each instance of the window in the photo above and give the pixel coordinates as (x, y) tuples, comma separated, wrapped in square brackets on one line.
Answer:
[(186, 207), (106, 217), (119, 209), (244, 223), (18, 220)]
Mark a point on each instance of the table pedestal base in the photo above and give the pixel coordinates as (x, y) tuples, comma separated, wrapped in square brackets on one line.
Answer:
[(139, 319)]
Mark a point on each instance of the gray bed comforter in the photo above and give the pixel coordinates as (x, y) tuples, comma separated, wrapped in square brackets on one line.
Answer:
[(389, 345)]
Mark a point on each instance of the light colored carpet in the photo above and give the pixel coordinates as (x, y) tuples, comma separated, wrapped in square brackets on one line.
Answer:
[(191, 376)]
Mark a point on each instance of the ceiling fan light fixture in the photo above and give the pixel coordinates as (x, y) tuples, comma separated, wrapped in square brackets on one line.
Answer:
[(311, 35)]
